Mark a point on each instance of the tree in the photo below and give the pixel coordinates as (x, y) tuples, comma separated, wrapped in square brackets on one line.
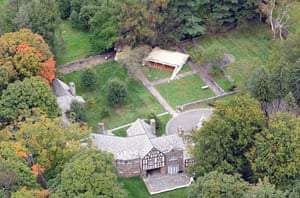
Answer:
[(90, 173), (64, 8), (277, 13), (259, 85), (265, 189), (294, 82), (21, 97), (276, 150), (215, 184), (117, 92), (15, 172), (223, 142), (27, 54), (77, 112), (88, 78), (41, 16)]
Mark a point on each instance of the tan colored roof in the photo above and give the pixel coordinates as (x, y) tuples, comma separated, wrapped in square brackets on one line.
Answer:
[(165, 57)]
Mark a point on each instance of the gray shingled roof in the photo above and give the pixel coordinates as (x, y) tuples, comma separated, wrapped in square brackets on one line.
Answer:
[(60, 88), (140, 127), (123, 148), (166, 143)]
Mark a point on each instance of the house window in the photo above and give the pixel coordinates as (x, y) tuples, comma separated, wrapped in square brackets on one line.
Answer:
[(135, 170), (173, 158)]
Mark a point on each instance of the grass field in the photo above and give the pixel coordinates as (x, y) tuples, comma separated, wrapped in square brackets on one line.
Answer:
[(153, 74), (222, 82), (137, 189), (251, 48), (77, 44), (137, 105), (184, 90)]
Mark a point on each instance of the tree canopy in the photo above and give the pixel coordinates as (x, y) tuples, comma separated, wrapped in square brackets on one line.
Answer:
[(27, 55), (21, 97), (276, 150), (223, 142), (90, 173)]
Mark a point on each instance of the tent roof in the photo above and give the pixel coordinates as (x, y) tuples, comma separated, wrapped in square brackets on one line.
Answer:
[(165, 57)]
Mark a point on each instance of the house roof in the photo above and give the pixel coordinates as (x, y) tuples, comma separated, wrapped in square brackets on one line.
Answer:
[(123, 148), (138, 143), (167, 143), (165, 57), (60, 88), (140, 127)]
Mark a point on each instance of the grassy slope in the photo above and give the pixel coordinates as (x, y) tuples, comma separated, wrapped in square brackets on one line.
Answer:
[(137, 105), (136, 188), (250, 46), (184, 90), (77, 44)]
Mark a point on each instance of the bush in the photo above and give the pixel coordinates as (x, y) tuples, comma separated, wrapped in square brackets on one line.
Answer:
[(77, 112), (104, 112), (117, 92), (88, 78)]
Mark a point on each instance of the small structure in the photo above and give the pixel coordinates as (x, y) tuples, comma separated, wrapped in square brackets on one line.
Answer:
[(65, 94), (166, 60)]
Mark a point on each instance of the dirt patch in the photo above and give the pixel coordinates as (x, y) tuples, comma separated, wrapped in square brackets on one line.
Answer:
[(228, 58)]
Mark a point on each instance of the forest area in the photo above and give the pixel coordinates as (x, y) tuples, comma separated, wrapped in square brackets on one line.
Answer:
[(249, 148)]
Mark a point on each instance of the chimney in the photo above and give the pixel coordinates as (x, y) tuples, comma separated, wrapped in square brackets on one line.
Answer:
[(152, 126), (72, 88), (101, 128), (180, 131)]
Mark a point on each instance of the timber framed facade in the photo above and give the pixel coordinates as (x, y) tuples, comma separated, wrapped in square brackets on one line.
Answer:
[(142, 153)]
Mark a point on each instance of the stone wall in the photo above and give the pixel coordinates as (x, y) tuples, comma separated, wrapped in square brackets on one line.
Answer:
[(128, 168)]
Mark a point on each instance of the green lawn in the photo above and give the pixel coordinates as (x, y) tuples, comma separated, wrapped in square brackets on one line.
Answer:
[(77, 44), (137, 189), (153, 74), (184, 90), (250, 46), (138, 104), (222, 82)]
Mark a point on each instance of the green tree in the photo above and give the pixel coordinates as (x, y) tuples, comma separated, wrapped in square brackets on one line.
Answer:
[(15, 172), (77, 112), (116, 92), (88, 78), (259, 85), (21, 97), (90, 173), (276, 150), (64, 8), (294, 82), (264, 189), (215, 184), (223, 142)]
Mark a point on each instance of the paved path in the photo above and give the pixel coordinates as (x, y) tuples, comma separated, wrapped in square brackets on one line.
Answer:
[(86, 62), (203, 75), (187, 120), (139, 74)]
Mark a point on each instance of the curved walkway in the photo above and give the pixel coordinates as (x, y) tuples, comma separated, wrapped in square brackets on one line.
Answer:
[(187, 120)]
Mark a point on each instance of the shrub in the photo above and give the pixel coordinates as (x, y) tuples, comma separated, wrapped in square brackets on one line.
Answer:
[(88, 78), (158, 123), (77, 112), (117, 92)]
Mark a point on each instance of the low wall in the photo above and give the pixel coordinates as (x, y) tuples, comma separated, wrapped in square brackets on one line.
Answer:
[(206, 100)]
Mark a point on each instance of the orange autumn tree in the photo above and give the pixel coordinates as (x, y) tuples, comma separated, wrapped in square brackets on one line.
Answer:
[(27, 54)]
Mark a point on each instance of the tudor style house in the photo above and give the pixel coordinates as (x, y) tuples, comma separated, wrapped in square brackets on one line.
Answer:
[(142, 152)]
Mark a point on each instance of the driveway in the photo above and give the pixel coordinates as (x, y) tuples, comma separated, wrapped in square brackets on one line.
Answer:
[(187, 120)]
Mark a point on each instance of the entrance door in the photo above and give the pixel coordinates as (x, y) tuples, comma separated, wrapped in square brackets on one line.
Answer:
[(173, 168)]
